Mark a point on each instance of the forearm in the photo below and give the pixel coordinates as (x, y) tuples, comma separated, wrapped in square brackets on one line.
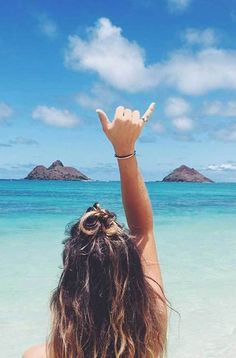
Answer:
[(135, 197), (123, 133)]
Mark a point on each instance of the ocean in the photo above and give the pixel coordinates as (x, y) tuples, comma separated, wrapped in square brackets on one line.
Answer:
[(195, 230)]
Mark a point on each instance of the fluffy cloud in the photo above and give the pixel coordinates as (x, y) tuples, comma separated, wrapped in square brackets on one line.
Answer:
[(222, 167), (212, 108), (183, 124), (206, 37), (201, 72), (117, 61), (178, 5), (55, 117), (5, 111), (176, 106), (158, 127), (121, 63), (151, 137), (178, 109), (100, 96), (227, 134), (47, 26), (219, 108)]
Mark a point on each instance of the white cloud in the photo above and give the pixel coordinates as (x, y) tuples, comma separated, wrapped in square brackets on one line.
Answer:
[(227, 134), (206, 37), (219, 108), (55, 117), (212, 108), (230, 109), (178, 5), (183, 124), (177, 109), (201, 72), (48, 26), (5, 111), (158, 127), (121, 63), (99, 96), (222, 167), (117, 60), (176, 106)]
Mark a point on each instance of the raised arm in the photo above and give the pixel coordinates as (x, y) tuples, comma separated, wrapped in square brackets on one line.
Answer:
[(123, 132)]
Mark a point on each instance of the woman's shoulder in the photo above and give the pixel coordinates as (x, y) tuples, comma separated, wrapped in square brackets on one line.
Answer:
[(38, 351)]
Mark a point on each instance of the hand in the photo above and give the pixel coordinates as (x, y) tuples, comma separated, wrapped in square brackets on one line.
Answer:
[(125, 128)]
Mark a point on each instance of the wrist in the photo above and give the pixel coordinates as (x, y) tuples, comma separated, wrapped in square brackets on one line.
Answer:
[(122, 157), (124, 151)]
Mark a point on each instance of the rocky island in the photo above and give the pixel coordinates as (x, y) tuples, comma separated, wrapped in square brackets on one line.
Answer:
[(186, 174), (56, 171)]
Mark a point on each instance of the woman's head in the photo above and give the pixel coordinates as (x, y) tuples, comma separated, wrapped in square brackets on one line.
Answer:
[(103, 305)]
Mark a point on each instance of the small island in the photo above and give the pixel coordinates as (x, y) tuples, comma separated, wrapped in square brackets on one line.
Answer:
[(56, 171), (186, 174)]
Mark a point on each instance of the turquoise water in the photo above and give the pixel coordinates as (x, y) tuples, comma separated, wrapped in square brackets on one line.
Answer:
[(195, 230)]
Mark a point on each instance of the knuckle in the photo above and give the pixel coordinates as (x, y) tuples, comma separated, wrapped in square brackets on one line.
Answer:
[(125, 121), (136, 115), (127, 110), (118, 119), (119, 108), (127, 114)]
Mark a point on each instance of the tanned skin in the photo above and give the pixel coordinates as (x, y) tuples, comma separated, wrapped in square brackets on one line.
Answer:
[(123, 132)]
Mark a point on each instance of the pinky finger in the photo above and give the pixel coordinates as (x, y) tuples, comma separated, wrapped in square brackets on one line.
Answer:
[(149, 111)]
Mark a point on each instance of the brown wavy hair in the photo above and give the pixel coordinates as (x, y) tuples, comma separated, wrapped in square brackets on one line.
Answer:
[(104, 306)]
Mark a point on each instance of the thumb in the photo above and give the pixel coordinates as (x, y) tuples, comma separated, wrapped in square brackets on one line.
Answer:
[(103, 119)]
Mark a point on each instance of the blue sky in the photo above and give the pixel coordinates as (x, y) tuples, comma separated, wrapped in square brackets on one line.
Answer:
[(59, 61)]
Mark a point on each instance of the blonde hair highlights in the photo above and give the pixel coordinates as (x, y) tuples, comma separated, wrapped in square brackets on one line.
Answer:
[(103, 306)]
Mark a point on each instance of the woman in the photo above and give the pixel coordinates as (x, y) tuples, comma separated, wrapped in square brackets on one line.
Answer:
[(110, 300)]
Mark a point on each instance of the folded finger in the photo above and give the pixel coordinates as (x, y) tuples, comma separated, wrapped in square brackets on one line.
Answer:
[(119, 112), (136, 116), (127, 113)]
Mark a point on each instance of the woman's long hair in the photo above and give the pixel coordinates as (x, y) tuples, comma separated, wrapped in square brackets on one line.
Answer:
[(104, 306)]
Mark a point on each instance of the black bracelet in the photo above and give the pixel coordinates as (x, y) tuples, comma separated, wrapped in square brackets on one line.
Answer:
[(125, 156)]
